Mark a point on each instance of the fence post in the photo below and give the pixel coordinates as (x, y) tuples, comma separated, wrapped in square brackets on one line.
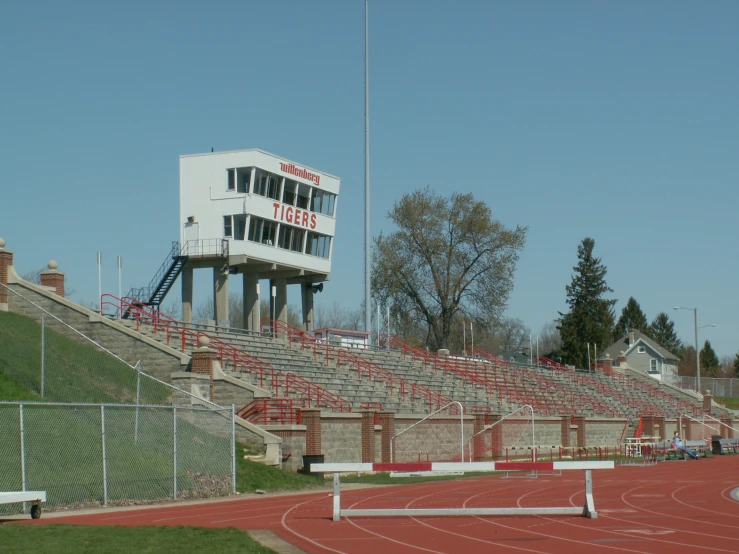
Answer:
[(174, 433), (43, 353), (105, 461), (233, 444), (23, 456), (138, 401)]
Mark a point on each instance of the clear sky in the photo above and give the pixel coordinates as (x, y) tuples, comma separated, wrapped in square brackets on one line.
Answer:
[(614, 120)]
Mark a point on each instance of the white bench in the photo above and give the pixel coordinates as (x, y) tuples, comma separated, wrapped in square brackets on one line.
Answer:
[(34, 497)]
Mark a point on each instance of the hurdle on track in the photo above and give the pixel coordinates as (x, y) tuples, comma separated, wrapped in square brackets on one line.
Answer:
[(588, 510)]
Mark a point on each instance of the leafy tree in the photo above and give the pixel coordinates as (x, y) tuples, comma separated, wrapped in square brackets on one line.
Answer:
[(590, 319), (709, 360), (736, 365), (662, 331), (448, 256), (632, 317)]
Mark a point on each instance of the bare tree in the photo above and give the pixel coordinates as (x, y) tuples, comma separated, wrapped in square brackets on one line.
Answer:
[(549, 339)]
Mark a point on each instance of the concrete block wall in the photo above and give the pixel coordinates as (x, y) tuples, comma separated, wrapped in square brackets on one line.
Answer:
[(341, 436), (603, 431), (438, 438), (293, 443)]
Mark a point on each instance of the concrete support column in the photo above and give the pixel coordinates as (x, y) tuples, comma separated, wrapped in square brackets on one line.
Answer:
[(251, 303), (565, 430), (311, 418), (220, 295), (496, 436), (387, 420), (368, 437), (6, 260), (660, 427), (187, 289), (53, 278), (203, 361), (278, 303), (307, 292), (478, 443), (581, 434)]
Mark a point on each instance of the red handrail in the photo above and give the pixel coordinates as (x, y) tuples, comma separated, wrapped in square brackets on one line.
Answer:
[(268, 375), (273, 410)]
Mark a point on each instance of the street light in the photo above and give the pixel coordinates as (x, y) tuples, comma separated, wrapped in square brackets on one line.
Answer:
[(697, 352)]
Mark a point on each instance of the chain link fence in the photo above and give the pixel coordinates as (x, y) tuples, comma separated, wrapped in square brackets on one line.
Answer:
[(105, 432), (88, 455), (719, 386)]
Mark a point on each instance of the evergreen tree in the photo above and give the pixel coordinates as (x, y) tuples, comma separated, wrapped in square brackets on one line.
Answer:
[(632, 317), (590, 318), (736, 365), (709, 360), (662, 331)]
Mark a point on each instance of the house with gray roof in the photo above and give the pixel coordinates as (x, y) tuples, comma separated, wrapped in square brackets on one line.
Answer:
[(643, 354)]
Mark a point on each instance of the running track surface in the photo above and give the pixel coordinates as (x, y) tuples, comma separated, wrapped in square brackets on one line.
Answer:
[(662, 508)]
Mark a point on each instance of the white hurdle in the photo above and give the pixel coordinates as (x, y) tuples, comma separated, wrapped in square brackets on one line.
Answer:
[(588, 510)]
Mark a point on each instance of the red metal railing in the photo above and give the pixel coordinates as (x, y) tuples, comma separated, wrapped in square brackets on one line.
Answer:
[(343, 358), (273, 410), (269, 378)]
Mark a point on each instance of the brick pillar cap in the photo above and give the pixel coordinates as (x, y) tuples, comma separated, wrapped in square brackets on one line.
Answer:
[(203, 341), (2, 243)]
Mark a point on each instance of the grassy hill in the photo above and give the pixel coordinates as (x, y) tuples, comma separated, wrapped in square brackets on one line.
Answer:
[(73, 371)]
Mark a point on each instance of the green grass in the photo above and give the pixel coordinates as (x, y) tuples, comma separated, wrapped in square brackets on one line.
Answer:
[(252, 475), (12, 390), (728, 401), (77, 539), (73, 371)]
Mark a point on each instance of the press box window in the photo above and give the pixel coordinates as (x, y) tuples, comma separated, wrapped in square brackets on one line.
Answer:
[(266, 184), (323, 203), (243, 178), (318, 245), (291, 238), (227, 226), (262, 231), (230, 179)]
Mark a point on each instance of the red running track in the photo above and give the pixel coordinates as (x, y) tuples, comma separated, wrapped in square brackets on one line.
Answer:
[(671, 507)]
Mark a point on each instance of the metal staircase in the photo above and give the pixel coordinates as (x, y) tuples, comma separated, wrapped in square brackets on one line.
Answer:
[(160, 285)]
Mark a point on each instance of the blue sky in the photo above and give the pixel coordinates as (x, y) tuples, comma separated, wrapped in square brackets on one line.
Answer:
[(610, 120)]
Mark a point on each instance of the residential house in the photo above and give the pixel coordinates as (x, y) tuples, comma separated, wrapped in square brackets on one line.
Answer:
[(642, 353)]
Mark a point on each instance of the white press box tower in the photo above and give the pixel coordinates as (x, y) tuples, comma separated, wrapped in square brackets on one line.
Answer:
[(253, 214)]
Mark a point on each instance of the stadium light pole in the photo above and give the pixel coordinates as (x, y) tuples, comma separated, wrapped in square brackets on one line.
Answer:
[(367, 284), (697, 352)]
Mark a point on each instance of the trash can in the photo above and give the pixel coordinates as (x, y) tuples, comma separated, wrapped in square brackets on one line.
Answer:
[(312, 459), (716, 444)]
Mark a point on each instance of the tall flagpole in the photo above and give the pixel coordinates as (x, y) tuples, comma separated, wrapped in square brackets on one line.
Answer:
[(367, 284)]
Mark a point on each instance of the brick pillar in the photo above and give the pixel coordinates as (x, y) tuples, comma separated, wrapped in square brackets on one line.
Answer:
[(659, 424), (478, 443), (6, 260), (622, 360), (368, 437), (496, 436), (203, 360), (688, 433), (607, 364), (726, 432), (581, 436), (707, 397), (647, 425), (387, 420), (565, 430), (53, 278), (312, 420)]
